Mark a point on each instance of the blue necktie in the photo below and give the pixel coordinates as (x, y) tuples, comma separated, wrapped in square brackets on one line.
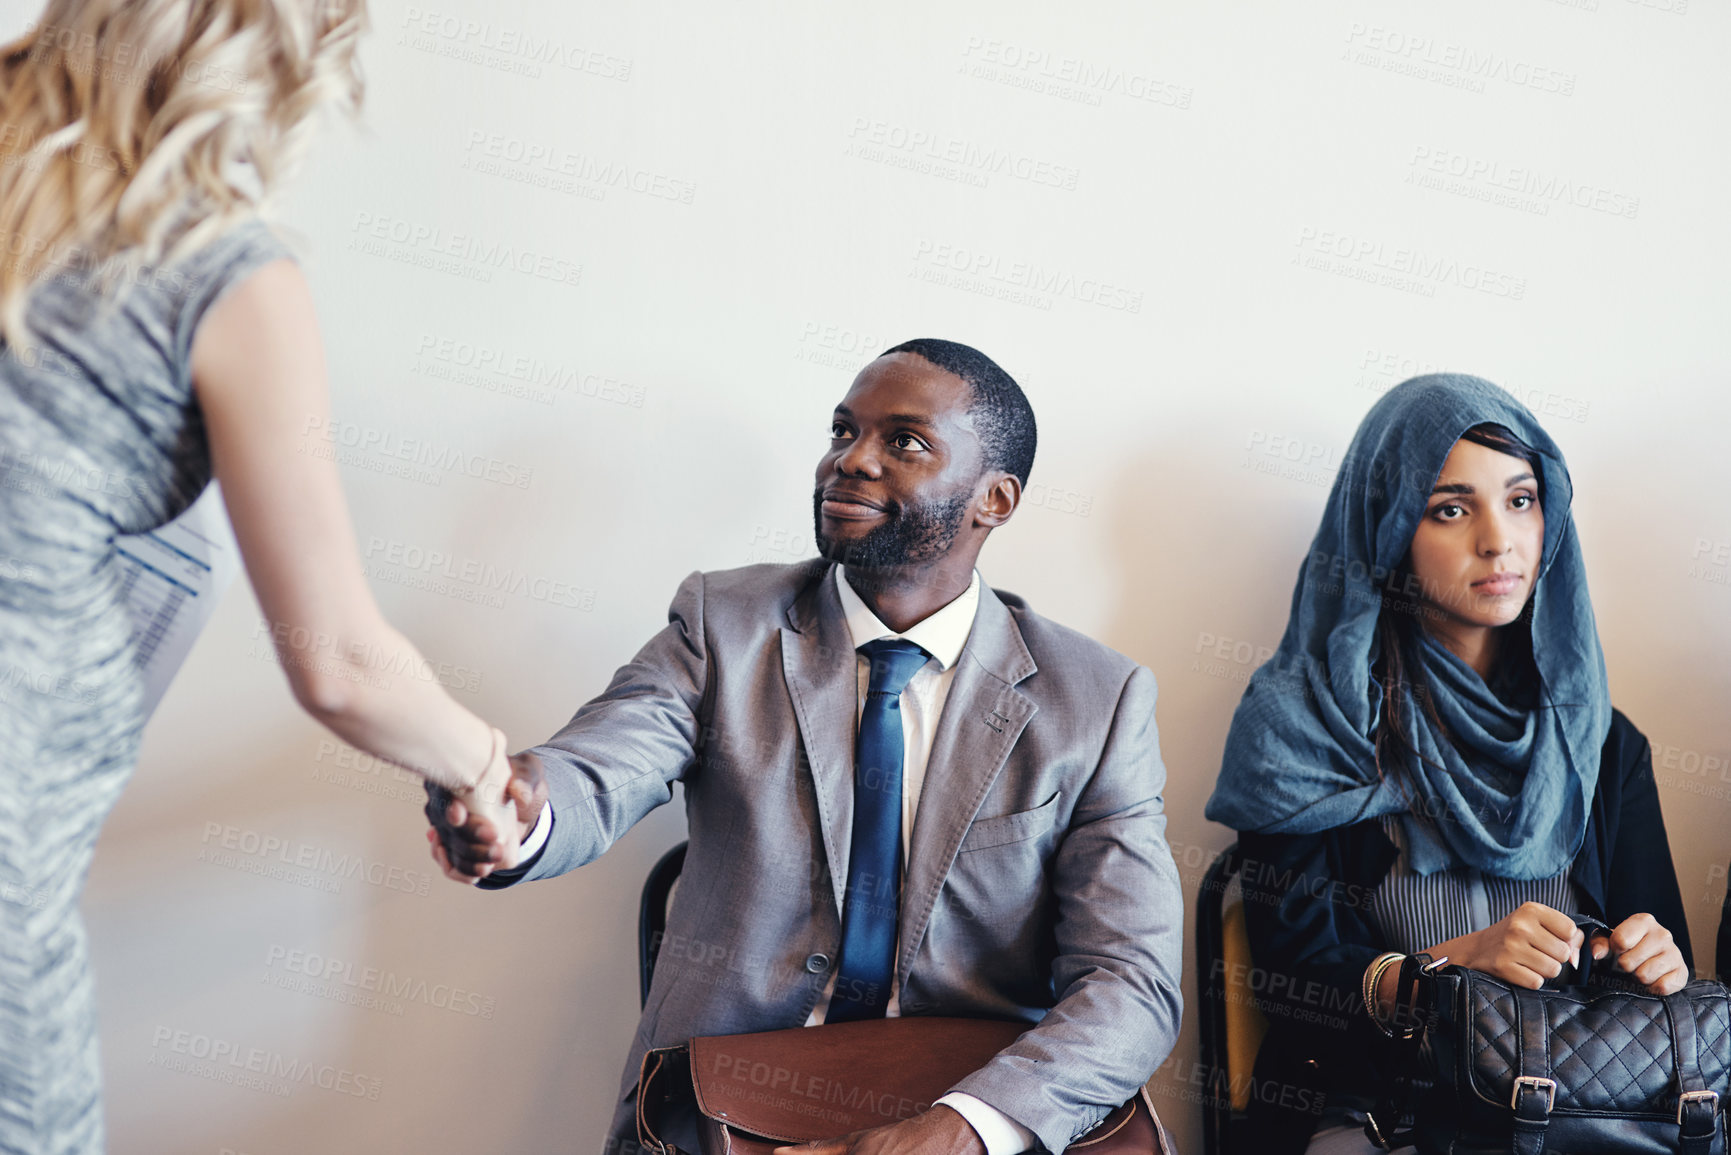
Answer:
[(874, 864)]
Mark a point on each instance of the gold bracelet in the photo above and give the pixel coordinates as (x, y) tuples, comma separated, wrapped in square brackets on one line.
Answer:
[(1373, 983), (497, 736), (1364, 980)]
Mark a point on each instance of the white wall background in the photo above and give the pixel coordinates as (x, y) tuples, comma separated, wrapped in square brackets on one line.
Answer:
[(1252, 177)]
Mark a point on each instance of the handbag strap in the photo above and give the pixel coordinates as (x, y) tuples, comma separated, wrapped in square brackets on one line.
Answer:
[(1414, 1005), (1535, 1091), (1697, 1107), (1591, 928), (1534, 1094), (658, 1070)]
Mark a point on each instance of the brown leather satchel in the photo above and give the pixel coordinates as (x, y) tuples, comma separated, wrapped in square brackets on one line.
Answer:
[(757, 1092)]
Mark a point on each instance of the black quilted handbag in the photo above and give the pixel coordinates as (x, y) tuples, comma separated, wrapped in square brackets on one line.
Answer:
[(1581, 1069)]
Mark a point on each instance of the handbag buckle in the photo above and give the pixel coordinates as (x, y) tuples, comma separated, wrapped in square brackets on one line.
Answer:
[(1711, 1098), (1549, 1087)]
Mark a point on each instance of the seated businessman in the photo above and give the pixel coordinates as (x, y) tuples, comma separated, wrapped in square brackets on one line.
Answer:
[(907, 793)]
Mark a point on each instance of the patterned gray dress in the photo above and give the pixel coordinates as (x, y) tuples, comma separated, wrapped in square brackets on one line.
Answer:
[(99, 435)]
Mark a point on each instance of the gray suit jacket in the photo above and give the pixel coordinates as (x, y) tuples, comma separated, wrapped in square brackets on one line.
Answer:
[(1039, 885)]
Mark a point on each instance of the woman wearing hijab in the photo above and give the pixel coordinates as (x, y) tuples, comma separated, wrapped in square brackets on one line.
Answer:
[(1431, 762), (154, 332)]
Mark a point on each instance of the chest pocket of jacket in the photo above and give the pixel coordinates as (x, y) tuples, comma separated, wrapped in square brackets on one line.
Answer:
[(1007, 828)]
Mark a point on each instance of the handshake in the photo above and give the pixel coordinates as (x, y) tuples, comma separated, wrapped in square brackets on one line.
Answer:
[(470, 838)]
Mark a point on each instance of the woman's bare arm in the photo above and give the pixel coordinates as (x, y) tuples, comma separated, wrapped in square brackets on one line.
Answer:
[(258, 370)]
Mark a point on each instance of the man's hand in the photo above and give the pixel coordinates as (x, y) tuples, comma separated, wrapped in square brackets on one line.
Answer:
[(940, 1131), (466, 846), (1646, 951)]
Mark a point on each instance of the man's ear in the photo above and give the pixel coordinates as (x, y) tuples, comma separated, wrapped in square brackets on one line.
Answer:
[(1003, 493)]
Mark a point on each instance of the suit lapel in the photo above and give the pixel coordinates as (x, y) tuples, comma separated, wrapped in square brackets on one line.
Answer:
[(983, 716), (817, 658)]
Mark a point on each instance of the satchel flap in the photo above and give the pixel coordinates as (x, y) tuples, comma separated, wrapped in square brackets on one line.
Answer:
[(816, 1083), (1610, 1050), (1131, 1129)]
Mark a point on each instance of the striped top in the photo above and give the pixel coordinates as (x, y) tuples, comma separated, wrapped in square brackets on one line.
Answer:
[(1417, 911)]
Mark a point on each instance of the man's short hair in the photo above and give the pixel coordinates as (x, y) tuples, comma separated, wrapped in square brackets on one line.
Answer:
[(1002, 416)]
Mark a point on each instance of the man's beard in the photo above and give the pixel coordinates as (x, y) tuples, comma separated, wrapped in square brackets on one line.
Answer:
[(909, 535)]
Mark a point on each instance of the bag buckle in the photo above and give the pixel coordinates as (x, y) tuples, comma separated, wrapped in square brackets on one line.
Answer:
[(1711, 1098), (1549, 1087)]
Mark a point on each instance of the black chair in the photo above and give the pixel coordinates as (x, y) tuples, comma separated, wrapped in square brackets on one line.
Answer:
[(652, 915), (1230, 1026)]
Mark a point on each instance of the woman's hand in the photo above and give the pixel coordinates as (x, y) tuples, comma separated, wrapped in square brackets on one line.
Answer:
[(490, 802), (1526, 948), (1529, 946), (469, 845), (1645, 951)]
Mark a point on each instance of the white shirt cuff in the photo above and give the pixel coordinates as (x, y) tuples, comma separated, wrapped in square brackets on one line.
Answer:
[(1001, 1134), (538, 837)]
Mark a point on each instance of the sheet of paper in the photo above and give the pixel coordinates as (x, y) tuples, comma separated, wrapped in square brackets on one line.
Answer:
[(174, 578)]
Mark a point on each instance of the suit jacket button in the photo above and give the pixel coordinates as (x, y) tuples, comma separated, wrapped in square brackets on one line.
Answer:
[(817, 963)]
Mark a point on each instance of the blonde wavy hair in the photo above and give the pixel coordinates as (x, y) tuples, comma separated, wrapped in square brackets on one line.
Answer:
[(132, 132)]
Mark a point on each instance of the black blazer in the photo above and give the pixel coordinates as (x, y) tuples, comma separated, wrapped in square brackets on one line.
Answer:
[(1307, 912), (1725, 939)]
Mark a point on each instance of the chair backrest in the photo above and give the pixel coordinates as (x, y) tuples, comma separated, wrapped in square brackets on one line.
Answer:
[(1231, 1027), (652, 915)]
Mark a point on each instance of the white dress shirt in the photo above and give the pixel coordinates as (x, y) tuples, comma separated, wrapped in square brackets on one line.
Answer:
[(942, 635)]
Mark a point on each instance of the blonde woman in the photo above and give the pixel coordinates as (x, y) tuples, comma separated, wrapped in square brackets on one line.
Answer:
[(156, 332)]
